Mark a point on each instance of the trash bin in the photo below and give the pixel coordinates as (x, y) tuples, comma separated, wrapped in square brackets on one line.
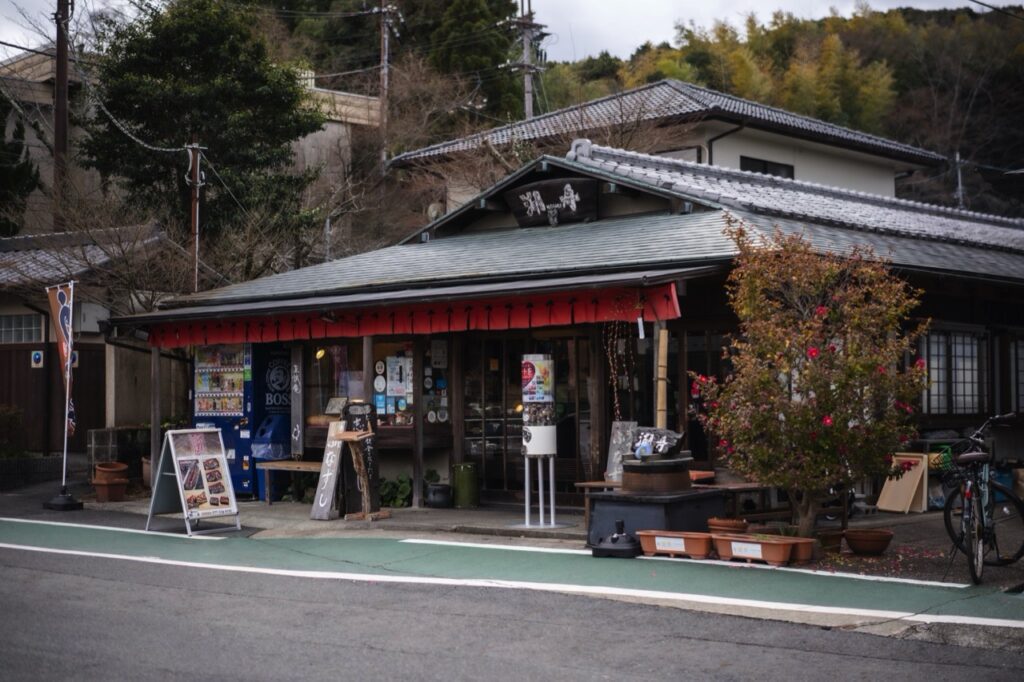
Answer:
[(464, 485)]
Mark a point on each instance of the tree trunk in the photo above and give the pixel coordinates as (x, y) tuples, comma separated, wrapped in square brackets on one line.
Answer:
[(805, 507)]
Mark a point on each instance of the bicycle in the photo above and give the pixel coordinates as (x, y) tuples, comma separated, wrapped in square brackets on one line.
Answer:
[(991, 525)]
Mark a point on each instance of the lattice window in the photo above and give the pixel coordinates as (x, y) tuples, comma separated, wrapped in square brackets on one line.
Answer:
[(21, 328), (957, 373)]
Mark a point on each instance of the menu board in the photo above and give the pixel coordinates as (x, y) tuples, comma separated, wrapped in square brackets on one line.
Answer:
[(202, 473), (193, 480)]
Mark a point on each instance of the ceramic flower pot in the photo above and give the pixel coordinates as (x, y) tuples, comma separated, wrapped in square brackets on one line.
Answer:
[(675, 543), (831, 540), (110, 491), (870, 541), (109, 471), (803, 550)]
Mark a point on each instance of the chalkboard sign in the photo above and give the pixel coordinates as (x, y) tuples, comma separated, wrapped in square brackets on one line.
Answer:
[(550, 202), (650, 442), (619, 447), (327, 485)]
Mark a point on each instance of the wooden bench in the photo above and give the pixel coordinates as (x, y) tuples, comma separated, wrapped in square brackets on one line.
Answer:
[(271, 466)]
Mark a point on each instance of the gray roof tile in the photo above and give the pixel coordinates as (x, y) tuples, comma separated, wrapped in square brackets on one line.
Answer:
[(670, 99)]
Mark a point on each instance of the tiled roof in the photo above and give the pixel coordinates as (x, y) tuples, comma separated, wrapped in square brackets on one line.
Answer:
[(781, 197), (670, 99), (52, 258)]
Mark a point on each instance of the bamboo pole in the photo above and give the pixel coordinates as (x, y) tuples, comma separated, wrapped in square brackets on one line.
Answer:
[(661, 412)]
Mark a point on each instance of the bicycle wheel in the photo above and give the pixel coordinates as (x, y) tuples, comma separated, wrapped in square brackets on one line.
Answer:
[(973, 525), (1006, 535)]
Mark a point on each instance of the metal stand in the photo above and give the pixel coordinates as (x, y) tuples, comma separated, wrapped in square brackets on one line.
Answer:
[(540, 459)]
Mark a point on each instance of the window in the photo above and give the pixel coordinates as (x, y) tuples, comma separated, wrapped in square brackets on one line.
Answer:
[(782, 170), (21, 328), (957, 366)]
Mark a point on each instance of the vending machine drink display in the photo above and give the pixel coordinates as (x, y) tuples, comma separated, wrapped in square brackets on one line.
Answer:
[(236, 388)]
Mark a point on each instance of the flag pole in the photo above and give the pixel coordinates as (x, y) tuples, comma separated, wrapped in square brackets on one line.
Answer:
[(65, 501)]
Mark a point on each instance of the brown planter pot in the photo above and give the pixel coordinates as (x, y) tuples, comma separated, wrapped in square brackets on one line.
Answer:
[(675, 543), (770, 549), (871, 541), (110, 471), (831, 540), (717, 525), (803, 550), (110, 491), (147, 473)]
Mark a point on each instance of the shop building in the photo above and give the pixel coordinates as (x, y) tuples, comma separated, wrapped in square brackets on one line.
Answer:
[(584, 258)]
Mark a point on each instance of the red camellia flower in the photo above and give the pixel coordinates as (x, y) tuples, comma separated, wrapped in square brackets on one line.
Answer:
[(723, 443), (831, 348), (826, 420), (919, 363), (881, 369), (821, 311), (812, 352)]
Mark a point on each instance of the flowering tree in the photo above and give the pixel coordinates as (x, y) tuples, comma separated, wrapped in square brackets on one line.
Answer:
[(818, 396)]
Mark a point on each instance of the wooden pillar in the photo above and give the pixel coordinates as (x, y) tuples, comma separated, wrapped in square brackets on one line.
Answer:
[(418, 350), (155, 416), (368, 370), (457, 396), (597, 396), (297, 403), (661, 378)]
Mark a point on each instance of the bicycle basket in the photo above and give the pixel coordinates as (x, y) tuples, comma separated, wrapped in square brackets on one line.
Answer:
[(942, 463)]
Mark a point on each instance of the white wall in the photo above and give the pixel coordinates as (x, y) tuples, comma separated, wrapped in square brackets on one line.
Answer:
[(811, 162)]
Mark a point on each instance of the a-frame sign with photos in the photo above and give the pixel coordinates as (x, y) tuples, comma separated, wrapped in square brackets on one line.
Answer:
[(193, 479)]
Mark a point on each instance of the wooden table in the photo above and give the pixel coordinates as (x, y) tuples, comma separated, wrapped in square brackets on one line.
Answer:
[(271, 466)]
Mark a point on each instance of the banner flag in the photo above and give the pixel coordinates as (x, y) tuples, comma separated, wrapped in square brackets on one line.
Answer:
[(61, 301)]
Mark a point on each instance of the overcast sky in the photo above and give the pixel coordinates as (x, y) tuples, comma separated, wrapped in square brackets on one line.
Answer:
[(578, 28)]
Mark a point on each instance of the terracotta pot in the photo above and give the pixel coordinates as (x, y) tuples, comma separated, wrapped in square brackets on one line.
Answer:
[(109, 471), (803, 550), (770, 549), (870, 541), (675, 543), (717, 525), (831, 540), (110, 491), (147, 473)]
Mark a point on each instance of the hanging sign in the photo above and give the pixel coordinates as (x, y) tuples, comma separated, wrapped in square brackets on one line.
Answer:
[(195, 461), (550, 202)]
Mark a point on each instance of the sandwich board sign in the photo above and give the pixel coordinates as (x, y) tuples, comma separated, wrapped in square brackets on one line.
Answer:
[(193, 479)]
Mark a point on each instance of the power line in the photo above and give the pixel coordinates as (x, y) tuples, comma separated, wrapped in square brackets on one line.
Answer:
[(999, 9)]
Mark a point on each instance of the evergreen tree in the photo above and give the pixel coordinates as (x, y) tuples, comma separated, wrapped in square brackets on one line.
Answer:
[(195, 68), (18, 175)]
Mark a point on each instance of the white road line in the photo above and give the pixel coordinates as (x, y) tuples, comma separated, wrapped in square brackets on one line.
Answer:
[(602, 591), (730, 564), (117, 530)]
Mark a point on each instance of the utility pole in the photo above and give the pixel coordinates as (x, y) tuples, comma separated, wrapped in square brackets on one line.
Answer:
[(60, 115), (530, 33), (195, 180), (385, 27), (959, 181)]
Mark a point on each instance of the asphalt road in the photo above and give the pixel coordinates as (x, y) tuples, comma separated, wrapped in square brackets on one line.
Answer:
[(78, 617)]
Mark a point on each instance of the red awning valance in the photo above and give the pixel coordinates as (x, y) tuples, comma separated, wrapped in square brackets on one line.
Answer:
[(624, 304)]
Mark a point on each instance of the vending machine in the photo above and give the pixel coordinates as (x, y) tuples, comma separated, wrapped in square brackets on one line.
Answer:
[(244, 390)]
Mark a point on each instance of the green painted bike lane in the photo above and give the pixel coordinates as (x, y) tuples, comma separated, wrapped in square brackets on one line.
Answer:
[(452, 563)]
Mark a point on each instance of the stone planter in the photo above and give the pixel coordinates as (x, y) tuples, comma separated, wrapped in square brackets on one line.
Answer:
[(111, 490), (769, 549), (869, 541), (675, 543)]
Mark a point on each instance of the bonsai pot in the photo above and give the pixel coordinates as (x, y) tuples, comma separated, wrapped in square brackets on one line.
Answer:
[(675, 543), (871, 541), (111, 490), (717, 525)]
